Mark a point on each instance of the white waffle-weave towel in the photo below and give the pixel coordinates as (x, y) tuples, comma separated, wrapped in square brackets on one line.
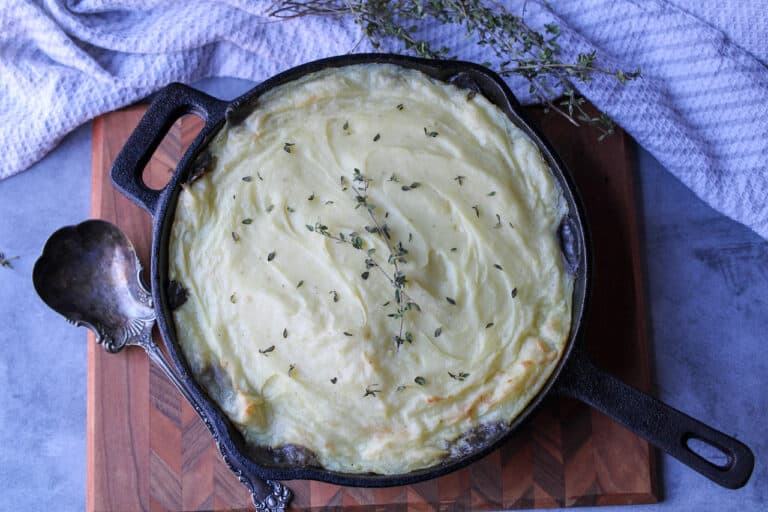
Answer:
[(701, 107)]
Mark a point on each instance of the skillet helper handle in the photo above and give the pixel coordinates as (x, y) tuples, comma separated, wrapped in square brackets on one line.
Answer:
[(171, 103), (662, 425)]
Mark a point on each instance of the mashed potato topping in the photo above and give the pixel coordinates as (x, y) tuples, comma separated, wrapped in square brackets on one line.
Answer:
[(372, 269)]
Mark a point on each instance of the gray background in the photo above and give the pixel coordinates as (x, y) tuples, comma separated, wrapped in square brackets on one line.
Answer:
[(706, 284)]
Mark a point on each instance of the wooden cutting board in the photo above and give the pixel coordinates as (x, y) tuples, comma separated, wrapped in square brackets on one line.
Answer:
[(147, 449)]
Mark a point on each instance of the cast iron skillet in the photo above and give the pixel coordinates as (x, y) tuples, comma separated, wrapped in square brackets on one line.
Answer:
[(575, 375)]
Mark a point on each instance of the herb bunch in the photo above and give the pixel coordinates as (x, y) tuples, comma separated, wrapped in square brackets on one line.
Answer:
[(521, 50)]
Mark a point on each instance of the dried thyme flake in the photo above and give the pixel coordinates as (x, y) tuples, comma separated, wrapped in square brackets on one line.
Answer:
[(285, 332), (371, 390), (438, 331), (334, 380), (300, 284), (430, 133), (514, 292), (288, 147), (247, 179), (365, 275), (345, 126), (347, 333), (489, 325), (265, 351), (270, 208), (376, 137), (460, 179), (235, 237), (271, 256), (334, 295), (400, 106), (394, 178), (477, 210), (450, 301), (498, 221), (454, 249), (233, 298), (258, 175), (291, 368), (400, 388), (312, 197), (498, 266), (420, 380), (491, 193), (458, 376), (247, 221)]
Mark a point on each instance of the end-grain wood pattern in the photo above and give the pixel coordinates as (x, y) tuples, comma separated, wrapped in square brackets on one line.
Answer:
[(147, 449)]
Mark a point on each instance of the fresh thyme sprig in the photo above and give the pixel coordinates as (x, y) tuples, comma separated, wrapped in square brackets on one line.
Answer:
[(396, 257), (521, 50), (6, 262)]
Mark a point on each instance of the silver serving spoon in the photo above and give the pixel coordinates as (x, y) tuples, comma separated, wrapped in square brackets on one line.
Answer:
[(90, 274)]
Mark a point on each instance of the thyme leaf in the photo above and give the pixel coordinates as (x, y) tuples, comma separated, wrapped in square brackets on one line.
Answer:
[(460, 376)]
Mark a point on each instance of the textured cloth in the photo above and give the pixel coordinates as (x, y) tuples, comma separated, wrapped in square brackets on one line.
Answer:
[(701, 106)]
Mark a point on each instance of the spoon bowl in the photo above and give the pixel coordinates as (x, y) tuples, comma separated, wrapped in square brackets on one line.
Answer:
[(90, 274)]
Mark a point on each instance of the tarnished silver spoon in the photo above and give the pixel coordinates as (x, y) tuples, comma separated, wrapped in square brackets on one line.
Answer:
[(90, 274)]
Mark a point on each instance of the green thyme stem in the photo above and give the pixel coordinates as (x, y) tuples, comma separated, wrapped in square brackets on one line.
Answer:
[(523, 51), (6, 261)]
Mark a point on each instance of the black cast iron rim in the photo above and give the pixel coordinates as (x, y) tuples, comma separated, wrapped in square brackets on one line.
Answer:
[(574, 374)]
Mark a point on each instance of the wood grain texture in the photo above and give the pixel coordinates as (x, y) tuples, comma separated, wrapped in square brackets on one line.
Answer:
[(148, 450)]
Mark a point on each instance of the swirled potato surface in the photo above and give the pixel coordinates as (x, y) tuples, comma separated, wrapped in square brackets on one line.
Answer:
[(372, 269)]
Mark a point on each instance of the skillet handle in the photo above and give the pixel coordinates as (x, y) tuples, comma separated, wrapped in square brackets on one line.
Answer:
[(663, 426), (170, 104)]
